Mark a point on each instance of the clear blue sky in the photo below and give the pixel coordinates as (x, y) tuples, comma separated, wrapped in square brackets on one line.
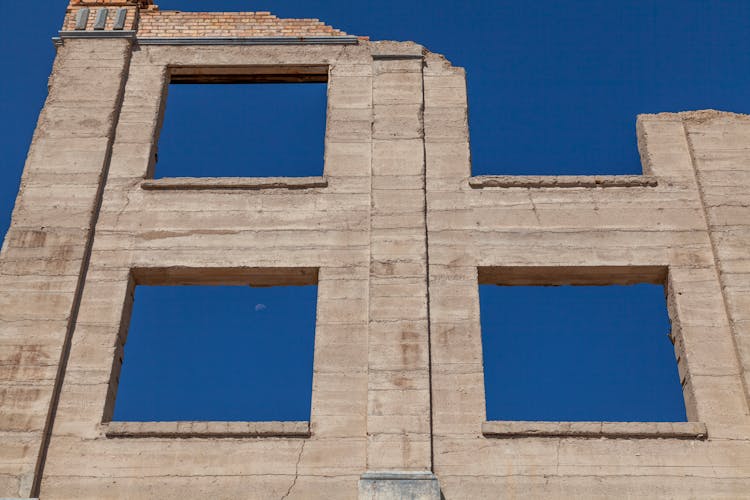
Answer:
[(554, 87)]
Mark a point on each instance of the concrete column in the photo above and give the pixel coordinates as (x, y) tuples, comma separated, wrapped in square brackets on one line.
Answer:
[(398, 414), (720, 147), (45, 253)]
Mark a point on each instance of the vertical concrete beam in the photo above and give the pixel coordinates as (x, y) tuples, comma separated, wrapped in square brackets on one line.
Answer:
[(44, 257), (678, 147), (456, 346), (720, 150), (398, 416)]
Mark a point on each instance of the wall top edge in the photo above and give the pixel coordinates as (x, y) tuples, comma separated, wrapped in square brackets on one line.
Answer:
[(112, 3), (696, 116), (150, 22), (334, 40)]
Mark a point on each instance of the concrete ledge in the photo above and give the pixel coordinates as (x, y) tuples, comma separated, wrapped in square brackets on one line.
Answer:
[(286, 40), (203, 183), (626, 430), (562, 181), (206, 429), (97, 34), (396, 485)]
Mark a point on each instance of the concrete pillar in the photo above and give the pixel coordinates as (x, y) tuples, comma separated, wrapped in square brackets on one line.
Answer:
[(45, 253), (719, 143), (398, 414)]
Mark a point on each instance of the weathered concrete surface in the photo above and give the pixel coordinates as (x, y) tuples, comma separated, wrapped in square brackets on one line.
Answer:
[(398, 235), (540, 231), (45, 252), (398, 412), (399, 486)]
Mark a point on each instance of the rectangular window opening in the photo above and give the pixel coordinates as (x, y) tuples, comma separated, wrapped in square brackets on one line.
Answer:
[(208, 349), (601, 351), (249, 122)]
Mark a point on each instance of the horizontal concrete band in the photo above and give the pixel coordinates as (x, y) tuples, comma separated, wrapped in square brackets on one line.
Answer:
[(627, 430), (322, 40), (206, 429), (204, 183), (318, 40), (562, 181), (97, 34)]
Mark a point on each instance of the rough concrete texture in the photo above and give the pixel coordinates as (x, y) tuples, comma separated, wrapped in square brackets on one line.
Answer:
[(397, 234), (404, 486)]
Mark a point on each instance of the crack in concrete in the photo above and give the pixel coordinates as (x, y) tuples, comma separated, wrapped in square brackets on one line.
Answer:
[(533, 207), (296, 471), (122, 210)]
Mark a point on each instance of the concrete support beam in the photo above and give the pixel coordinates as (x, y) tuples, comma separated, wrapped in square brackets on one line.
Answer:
[(45, 254), (398, 413)]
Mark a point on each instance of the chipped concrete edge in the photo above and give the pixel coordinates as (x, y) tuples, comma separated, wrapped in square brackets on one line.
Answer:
[(562, 181), (627, 430), (399, 485), (204, 183), (299, 429), (696, 116)]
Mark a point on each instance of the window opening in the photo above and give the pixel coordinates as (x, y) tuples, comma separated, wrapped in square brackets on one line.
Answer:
[(247, 122), (218, 353), (579, 353)]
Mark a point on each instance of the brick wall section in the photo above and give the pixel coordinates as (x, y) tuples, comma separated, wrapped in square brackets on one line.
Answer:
[(153, 23), (131, 20), (144, 4), (170, 24)]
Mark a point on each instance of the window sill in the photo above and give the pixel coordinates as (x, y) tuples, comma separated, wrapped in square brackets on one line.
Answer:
[(624, 430), (561, 181), (207, 429), (203, 183)]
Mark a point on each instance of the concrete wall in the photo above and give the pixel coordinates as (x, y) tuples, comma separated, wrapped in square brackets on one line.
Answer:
[(398, 235), (46, 251)]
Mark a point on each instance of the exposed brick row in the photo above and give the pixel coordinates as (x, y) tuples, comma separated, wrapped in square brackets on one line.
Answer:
[(228, 24), (150, 22)]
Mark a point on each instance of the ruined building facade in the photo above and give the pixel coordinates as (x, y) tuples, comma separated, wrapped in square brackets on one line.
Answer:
[(397, 234)]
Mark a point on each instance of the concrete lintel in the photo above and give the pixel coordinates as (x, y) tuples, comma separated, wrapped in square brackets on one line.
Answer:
[(399, 485)]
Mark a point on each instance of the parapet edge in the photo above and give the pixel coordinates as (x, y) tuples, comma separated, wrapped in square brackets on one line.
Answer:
[(695, 116)]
